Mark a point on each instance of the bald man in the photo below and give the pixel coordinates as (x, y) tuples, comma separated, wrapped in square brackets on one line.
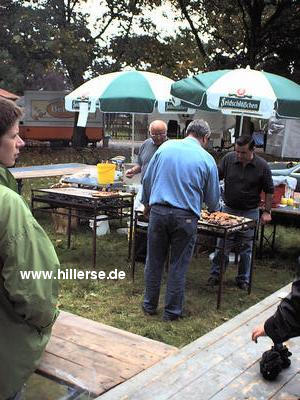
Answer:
[(158, 135)]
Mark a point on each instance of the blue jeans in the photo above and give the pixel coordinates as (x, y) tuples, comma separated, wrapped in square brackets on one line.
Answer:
[(175, 229), (245, 241)]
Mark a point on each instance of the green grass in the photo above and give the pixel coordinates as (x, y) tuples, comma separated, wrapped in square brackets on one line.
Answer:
[(117, 303)]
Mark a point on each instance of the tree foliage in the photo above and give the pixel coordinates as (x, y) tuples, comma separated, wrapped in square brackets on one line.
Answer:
[(169, 56), (236, 33), (53, 37)]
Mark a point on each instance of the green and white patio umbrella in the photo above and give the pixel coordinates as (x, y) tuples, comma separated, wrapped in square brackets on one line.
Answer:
[(240, 92), (134, 92)]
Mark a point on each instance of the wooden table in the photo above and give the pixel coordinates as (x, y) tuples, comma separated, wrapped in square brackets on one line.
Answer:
[(78, 200), (44, 171), (94, 357)]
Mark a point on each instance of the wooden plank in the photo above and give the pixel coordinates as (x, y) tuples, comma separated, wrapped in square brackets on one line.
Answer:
[(75, 375), (172, 374), (101, 363), (290, 391), (114, 334), (235, 375), (251, 385), (95, 357), (131, 353)]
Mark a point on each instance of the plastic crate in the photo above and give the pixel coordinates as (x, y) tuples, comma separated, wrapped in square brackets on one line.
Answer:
[(279, 191)]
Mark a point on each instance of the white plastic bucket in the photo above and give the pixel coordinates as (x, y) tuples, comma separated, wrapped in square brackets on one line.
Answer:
[(102, 226), (231, 257)]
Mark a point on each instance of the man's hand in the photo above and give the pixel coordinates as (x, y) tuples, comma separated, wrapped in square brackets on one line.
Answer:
[(258, 331), (265, 218)]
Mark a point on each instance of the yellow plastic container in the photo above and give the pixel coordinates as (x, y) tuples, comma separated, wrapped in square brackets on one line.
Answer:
[(283, 201), (290, 202), (106, 173)]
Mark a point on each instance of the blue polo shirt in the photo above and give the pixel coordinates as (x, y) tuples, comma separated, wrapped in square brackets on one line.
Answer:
[(182, 174)]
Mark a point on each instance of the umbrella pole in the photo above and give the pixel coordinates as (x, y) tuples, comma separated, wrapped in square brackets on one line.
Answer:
[(241, 124), (132, 139)]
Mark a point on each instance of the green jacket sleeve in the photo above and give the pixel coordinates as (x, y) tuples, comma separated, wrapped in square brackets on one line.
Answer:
[(26, 248)]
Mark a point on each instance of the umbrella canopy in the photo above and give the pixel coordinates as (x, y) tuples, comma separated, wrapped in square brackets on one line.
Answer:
[(244, 92), (125, 91), (134, 92)]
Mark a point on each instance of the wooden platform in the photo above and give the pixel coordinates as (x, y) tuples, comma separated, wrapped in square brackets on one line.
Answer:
[(95, 357), (221, 365)]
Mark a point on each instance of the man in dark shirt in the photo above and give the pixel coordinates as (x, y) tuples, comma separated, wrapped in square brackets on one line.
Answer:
[(245, 175)]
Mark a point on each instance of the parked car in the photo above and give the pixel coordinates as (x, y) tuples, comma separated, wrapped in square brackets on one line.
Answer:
[(287, 168)]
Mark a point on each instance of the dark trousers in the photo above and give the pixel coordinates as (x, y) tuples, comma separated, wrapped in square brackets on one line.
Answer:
[(174, 229)]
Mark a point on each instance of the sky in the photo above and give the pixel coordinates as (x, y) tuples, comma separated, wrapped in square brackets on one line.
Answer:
[(160, 16)]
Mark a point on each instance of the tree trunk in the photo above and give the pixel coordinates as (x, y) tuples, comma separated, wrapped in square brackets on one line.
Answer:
[(79, 138)]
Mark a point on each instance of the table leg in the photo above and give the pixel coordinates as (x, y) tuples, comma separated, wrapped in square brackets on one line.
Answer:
[(130, 229), (252, 260), (261, 240), (94, 241), (273, 236), (132, 239), (270, 240), (69, 227), (222, 270)]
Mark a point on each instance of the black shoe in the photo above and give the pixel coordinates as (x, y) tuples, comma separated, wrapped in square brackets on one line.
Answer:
[(148, 312), (170, 318), (242, 285), (213, 281)]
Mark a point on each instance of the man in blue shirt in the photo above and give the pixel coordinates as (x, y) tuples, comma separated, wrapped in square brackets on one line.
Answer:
[(180, 177)]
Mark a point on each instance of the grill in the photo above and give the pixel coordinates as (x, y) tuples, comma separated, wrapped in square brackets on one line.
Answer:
[(80, 202), (224, 230)]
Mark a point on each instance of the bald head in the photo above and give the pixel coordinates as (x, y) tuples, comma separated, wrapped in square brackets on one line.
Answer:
[(158, 131)]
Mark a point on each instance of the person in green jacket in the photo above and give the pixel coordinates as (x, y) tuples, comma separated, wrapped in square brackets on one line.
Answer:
[(27, 305)]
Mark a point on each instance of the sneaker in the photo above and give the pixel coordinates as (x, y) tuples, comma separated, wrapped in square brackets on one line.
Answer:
[(213, 281), (148, 312)]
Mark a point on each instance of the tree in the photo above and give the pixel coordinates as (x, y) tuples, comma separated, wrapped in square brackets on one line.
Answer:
[(236, 33), (169, 56), (50, 40)]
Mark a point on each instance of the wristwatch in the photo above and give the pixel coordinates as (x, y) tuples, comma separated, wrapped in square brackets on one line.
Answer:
[(267, 211)]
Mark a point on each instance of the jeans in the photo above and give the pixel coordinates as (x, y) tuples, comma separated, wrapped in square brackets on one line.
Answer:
[(245, 241), (175, 229)]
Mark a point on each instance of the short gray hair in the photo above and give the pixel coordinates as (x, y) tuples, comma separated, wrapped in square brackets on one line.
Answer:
[(198, 128)]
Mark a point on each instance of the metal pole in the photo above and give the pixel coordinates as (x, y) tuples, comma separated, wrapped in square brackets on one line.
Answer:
[(241, 124), (132, 139)]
